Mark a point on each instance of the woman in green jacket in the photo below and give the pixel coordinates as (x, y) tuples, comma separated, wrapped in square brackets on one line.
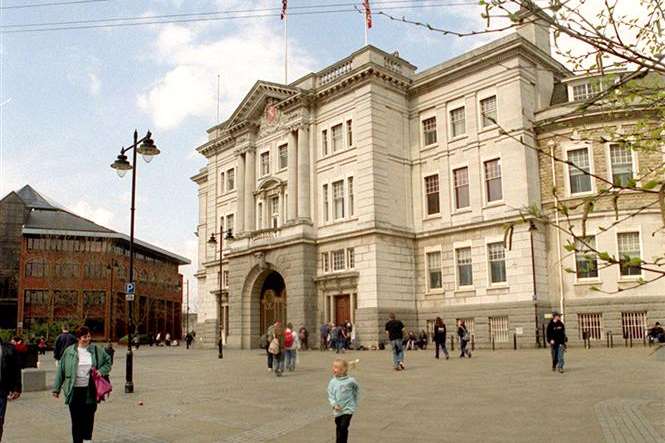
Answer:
[(74, 379)]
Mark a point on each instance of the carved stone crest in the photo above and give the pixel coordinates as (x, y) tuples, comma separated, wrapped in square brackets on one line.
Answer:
[(261, 260)]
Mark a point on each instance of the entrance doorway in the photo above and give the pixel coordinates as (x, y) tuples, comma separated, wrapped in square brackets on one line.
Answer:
[(273, 301), (342, 309)]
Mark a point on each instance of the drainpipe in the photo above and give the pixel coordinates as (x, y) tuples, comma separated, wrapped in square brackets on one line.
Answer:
[(558, 235)]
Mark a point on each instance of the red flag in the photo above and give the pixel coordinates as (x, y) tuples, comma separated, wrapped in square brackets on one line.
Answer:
[(283, 14), (368, 14)]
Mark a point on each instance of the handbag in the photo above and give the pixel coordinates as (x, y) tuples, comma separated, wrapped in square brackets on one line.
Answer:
[(103, 386), (274, 346)]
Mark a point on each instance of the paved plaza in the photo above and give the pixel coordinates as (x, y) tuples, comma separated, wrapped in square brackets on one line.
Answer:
[(612, 395)]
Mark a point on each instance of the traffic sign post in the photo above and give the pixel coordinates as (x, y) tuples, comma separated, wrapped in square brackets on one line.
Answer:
[(130, 291)]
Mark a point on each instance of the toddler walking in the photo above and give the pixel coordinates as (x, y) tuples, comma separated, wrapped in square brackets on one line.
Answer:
[(343, 397)]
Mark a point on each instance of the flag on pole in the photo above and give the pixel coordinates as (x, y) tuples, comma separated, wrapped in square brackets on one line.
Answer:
[(368, 14), (283, 13)]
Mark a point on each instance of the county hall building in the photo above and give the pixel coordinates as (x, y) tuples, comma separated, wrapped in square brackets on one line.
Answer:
[(370, 187)]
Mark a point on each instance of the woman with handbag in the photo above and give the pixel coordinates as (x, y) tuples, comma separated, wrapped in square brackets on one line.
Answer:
[(81, 372), (464, 338)]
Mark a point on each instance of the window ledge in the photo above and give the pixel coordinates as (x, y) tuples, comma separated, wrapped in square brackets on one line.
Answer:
[(498, 286), (457, 138), (581, 194), (465, 210), (629, 278), (432, 292), (430, 146), (588, 282), (494, 204), (432, 217), (488, 129), (465, 289)]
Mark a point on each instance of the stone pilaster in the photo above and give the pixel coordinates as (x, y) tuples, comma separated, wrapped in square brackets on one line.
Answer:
[(303, 173), (250, 187), (240, 218), (293, 177)]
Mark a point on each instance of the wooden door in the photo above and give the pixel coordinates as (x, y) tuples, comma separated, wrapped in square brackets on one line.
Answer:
[(342, 309)]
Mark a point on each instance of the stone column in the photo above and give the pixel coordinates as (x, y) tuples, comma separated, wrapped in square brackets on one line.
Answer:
[(240, 179), (293, 177), (303, 173), (250, 187)]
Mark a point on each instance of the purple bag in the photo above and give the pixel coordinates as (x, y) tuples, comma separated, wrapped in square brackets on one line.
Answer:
[(102, 385)]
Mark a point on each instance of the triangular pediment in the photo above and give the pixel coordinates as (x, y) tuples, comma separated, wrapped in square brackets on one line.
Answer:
[(252, 106)]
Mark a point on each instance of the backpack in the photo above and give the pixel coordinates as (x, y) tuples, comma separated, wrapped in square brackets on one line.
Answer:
[(274, 346), (288, 338)]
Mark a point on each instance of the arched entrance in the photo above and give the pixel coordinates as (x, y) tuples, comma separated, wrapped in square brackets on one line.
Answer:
[(272, 301)]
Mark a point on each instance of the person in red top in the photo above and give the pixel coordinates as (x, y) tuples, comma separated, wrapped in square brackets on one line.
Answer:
[(42, 345)]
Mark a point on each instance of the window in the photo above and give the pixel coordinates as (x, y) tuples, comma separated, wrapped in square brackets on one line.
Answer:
[(222, 183), (265, 163), (461, 183), (324, 142), (432, 194), (225, 279), (493, 189), (259, 216), (349, 184), (325, 262), (36, 297), (592, 324), (496, 254), (326, 203), (434, 270), (585, 90), (274, 210), (336, 137), (66, 270), (621, 159), (230, 223), (283, 156), (92, 298), (338, 260), (350, 258), (457, 122), (586, 261), (629, 249), (488, 111), (580, 180), (464, 267), (349, 133), (634, 324), (230, 179), (35, 269), (338, 199), (93, 270), (499, 329), (429, 131)]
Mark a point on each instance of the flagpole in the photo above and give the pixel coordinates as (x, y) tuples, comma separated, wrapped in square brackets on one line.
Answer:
[(286, 49), (218, 95), (365, 23)]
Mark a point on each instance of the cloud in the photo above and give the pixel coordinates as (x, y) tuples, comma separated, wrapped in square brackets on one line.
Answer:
[(99, 215), (94, 85), (189, 87)]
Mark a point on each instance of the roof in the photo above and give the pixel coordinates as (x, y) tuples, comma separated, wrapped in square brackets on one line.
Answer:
[(48, 217)]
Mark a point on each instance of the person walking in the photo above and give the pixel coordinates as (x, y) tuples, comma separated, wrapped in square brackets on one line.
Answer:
[(440, 337), (109, 350), (349, 330), (10, 379), (464, 338), (41, 345), (62, 342), (343, 397), (395, 332), (74, 378), (324, 330), (279, 356), (303, 335), (556, 337), (340, 341), (290, 347)]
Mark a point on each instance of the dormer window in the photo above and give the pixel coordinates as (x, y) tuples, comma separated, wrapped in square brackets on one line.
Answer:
[(586, 90)]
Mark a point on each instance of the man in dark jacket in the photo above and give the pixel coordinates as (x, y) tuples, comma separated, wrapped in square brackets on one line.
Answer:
[(556, 337), (63, 341), (10, 379)]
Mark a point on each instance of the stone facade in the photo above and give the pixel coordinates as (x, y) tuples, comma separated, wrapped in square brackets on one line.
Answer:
[(373, 188)]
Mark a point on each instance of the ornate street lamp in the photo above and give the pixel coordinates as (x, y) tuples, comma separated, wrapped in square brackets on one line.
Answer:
[(213, 242), (148, 150)]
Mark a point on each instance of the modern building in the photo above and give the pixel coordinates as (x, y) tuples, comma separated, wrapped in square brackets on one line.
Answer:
[(65, 268), (599, 299), (370, 187)]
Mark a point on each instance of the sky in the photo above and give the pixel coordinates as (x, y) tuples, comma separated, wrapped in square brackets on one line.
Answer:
[(70, 99)]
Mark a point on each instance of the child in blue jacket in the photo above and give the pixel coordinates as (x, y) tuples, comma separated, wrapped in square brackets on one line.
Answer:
[(343, 397)]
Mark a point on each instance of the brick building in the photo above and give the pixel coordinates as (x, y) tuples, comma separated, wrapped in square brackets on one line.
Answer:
[(71, 269)]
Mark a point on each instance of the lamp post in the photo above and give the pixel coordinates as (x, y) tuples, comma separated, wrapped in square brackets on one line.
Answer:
[(187, 318), (213, 241), (148, 150)]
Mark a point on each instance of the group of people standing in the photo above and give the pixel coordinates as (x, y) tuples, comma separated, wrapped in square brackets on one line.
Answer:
[(339, 337), (281, 345)]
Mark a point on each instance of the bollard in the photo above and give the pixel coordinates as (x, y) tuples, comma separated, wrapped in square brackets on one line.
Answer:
[(631, 340), (625, 341), (493, 343), (514, 342), (452, 343), (588, 342), (611, 340), (644, 339), (607, 337), (544, 338), (473, 342)]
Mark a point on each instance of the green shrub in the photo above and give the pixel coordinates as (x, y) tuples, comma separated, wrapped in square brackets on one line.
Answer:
[(6, 335)]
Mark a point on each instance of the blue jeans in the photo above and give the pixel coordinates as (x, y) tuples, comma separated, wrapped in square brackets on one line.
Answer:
[(278, 362), (557, 356), (398, 351), (3, 409), (290, 359), (339, 344)]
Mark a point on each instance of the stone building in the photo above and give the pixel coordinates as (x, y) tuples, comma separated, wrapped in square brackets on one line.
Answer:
[(69, 269), (370, 187), (596, 299)]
